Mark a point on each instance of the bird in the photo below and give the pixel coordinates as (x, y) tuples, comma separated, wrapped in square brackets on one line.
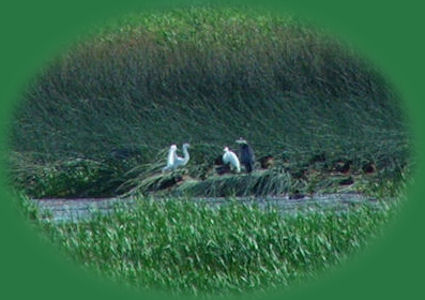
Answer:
[(247, 157), (266, 162), (174, 161), (229, 157), (171, 158), (182, 161)]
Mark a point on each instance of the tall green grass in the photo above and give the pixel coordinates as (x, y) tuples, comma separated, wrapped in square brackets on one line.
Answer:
[(204, 76), (184, 247)]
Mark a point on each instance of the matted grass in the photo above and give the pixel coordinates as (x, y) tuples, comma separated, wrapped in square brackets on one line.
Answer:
[(117, 100)]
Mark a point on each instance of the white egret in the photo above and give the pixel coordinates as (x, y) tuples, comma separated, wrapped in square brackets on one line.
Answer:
[(174, 161), (171, 158), (229, 157), (182, 161)]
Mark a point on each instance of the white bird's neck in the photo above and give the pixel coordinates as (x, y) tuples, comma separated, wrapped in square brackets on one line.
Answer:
[(186, 156), (171, 155)]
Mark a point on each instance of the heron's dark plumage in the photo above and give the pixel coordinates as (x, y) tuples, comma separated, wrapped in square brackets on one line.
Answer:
[(247, 157)]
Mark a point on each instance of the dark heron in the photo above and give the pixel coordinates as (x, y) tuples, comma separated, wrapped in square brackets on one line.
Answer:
[(247, 155)]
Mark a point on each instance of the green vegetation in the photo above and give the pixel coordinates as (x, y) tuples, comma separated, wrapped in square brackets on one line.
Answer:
[(99, 119), (186, 247)]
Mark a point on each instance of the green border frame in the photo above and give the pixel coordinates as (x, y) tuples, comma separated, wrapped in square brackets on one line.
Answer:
[(388, 33)]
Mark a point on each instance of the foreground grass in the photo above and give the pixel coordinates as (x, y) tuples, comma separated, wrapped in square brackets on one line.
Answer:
[(182, 247)]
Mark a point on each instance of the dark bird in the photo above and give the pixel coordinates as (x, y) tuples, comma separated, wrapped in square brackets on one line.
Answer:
[(223, 169), (266, 162), (343, 166), (219, 160), (247, 157), (369, 168)]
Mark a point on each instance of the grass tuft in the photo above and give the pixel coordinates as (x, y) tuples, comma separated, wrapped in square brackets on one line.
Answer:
[(182, 246)]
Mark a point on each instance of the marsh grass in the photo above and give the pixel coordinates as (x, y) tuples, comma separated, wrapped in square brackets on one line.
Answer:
[(98, 120), (184, 247)]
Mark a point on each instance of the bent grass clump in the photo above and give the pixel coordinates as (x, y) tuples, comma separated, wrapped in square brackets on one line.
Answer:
[(204, 76)]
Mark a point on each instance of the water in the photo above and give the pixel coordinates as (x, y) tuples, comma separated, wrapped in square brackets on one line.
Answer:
[(75, 210)]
